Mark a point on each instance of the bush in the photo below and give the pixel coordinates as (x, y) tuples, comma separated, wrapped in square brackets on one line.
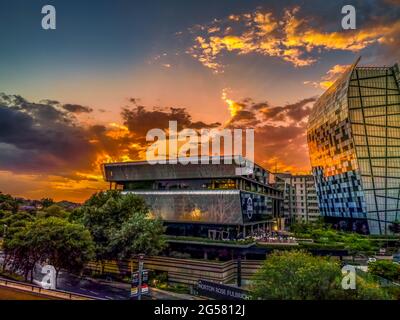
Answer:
[(297, 275), (385, 269)]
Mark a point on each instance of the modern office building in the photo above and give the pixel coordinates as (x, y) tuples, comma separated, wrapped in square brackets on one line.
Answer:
[(202, 200), (354, 143), (300, 202)]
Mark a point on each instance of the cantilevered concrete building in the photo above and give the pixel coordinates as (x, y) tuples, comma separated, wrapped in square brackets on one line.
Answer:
[(203, 200), (354, 143)]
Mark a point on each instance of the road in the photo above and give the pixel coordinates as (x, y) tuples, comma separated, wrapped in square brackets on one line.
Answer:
[(91, 287), (104, 289), (107, 290)]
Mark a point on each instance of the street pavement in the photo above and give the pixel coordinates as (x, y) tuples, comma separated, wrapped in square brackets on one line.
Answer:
[(91, 287), (106, 290)]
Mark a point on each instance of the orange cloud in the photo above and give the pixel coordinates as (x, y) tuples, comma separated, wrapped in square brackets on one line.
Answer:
[(233, 106), (290, 38), (277, 165), (330, 77)]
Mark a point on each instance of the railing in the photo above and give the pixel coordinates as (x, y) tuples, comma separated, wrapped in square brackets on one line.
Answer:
[(45, 292)]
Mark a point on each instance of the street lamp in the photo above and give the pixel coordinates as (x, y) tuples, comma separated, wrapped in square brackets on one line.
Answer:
[(141, 263), (4, 230)]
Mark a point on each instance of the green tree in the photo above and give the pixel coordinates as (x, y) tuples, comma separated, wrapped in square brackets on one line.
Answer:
[(366, 289), (66, 245), (120, 225), (15, 221), (358, 244), (385, 269), (53, 211), (47, 202), (52, 240), (12, 223), (20, 252), (8, 203), (139, 234), (395, 227), (2, 214), (297, 275)]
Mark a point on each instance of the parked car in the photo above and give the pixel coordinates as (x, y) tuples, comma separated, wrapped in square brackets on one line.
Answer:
[(371, 259)]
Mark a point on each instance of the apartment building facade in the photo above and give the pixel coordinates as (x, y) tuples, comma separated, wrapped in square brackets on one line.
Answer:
[(300, 204)]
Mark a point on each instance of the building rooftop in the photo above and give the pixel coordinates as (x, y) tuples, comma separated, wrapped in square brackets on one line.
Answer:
[(208, 168)]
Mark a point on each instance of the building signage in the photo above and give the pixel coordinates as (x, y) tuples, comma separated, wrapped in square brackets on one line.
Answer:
[(220, 291), (249, 208), (135, 283)]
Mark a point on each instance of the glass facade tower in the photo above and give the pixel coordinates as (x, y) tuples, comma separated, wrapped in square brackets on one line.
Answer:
[(354, 143)]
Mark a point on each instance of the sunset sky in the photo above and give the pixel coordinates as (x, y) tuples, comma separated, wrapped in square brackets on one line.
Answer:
[(88, 92)]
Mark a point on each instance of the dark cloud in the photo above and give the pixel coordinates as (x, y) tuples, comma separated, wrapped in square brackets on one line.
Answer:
[(141, 119), (39, 137), (291, 112), (253, 114), (279, 132), (134, 101), (282, 147), (76, 108), (50, 102), (269, 135), (243, 119), (116, 145), (258, 106), (202, 125), (46, 138)]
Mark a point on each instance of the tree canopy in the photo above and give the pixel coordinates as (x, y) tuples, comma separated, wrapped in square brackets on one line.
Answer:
[(47, 202), (53, 211), (385, 269), (297, 275), (52, 240), (324, 234), (121, 225), (395, 227)]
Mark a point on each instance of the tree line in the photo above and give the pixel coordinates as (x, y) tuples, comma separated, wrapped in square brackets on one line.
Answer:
[(298, 275), (107, 226)]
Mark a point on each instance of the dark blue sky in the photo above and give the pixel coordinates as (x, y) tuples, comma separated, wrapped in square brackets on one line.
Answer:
[(101, 31)]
